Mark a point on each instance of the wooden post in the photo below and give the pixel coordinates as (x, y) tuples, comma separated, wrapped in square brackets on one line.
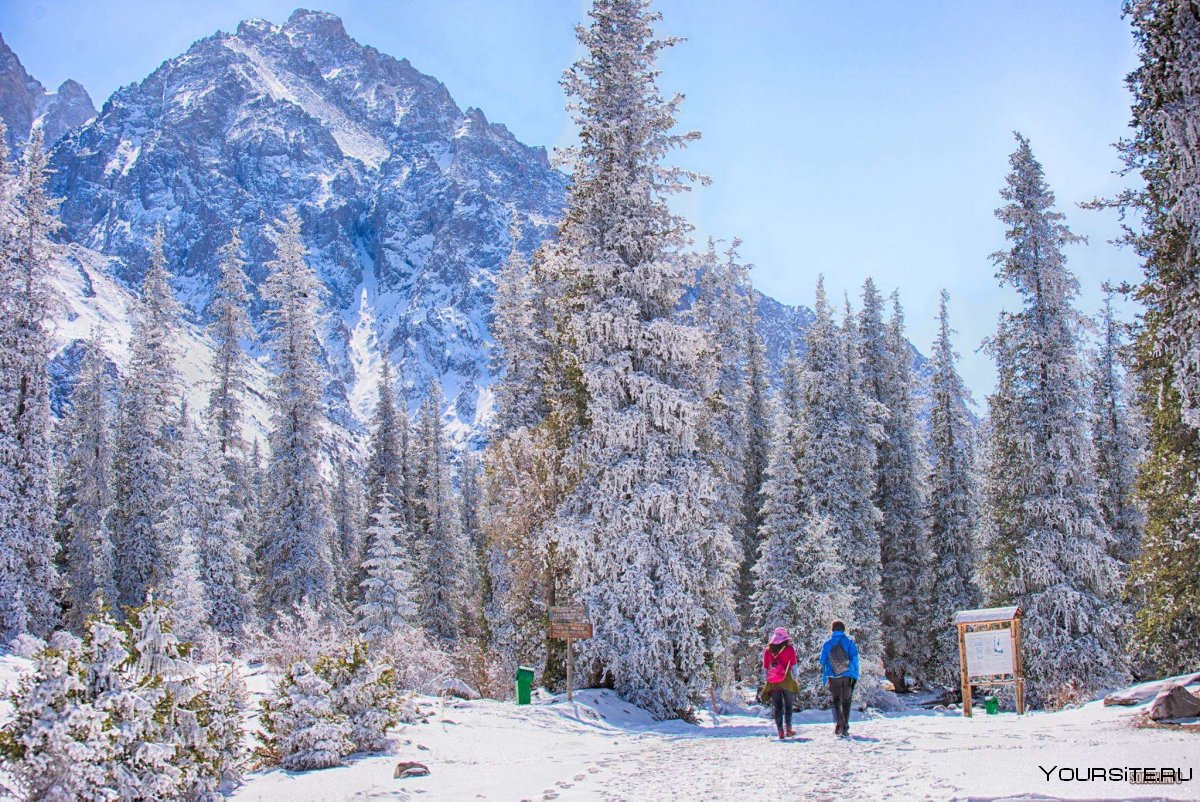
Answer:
[(1018, 665), (964, 678), (570, 662)]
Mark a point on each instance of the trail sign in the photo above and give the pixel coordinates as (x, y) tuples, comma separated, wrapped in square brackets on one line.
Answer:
[(989, 651), (569, 622)]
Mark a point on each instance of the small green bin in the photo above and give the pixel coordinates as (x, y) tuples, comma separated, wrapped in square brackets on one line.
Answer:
[(991, 705), (524, 685)]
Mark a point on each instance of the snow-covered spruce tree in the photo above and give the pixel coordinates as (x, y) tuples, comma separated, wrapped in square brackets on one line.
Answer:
[(722, 308), (142, 457), (388, 588), (521, 350), (230, 326), (754, 475), (799, 580), (54, 746), (1116, 437), (442, 551), (177, 569), (386, 469), (849, 497), (1057, 564), (84, 494), (302, 730), (348, 518), (29, 580), (364, 692), (295, 540), (953, 507), (645, 500), (470, 481), (900, 491), (1163, 151)]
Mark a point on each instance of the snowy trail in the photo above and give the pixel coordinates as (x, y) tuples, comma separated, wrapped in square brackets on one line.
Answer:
[(603, 750)]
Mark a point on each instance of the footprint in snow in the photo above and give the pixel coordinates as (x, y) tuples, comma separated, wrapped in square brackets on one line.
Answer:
[(579, 777), (563, 784), (550, 795)]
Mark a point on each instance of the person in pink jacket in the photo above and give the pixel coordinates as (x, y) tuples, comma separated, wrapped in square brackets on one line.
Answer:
[(779, 658)]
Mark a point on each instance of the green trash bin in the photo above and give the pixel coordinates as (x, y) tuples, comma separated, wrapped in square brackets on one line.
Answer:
[(524, 685), (992, 705)]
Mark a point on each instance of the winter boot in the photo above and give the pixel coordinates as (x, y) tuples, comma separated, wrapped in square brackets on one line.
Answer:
[(791, 733), (781, 734)]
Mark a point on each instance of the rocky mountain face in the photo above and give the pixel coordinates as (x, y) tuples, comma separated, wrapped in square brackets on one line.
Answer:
[(25, 103), (405, 198)]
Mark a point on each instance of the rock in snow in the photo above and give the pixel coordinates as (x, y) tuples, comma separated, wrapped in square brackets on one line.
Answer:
[(1174, 701)]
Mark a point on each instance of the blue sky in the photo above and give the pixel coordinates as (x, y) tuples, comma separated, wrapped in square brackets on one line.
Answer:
[(853, 139)]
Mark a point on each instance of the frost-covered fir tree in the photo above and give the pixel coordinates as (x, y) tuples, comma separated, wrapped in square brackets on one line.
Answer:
[(142, 458), (1055, 561), (953, 506), (723, 308), (1163, 151), (348, 517), (302, 730), (442, 551), (296, 533), (177, 570), (478, 582), (229, 328), (900, 491), (1116, 438), (521, 350), (388, 588), (754, 473), (645, 500), (843, 490), (85, 489), (29, 580), (386, 469)]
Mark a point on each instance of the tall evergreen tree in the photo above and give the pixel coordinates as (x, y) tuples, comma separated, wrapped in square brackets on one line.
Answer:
[(900, 490), (85, 489), (29, 578), (1165, 152), (645, 498), (298, 526), (386, 469), (348, 518), (1058, 568), (1116, 437), (230, 326), (142, 464), (953, 506), (854, 514), (442, 552), (389, 590)]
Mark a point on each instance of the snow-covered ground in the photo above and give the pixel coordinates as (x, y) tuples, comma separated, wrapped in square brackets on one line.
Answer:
[(602, 748)]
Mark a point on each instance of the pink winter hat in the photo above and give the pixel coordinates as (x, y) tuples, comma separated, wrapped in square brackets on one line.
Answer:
[(780, 636)]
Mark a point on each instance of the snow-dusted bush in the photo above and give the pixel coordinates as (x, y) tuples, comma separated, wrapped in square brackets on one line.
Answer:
[(55, 745), (365, 692), (302, 729), (421, 663), (119, 715), (302, 635), (26, 645)]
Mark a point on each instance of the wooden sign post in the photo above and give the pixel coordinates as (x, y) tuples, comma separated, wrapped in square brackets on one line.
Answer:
[(989, 651), (569, 622)]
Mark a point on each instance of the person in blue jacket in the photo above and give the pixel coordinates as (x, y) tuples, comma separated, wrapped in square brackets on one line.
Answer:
[(839, 669)]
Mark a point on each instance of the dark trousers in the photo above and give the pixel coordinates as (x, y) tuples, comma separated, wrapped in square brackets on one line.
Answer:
[(781, 704), (842, 689)]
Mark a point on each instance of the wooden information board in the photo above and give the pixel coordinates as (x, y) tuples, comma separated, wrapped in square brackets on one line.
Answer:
[(989, 651)]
